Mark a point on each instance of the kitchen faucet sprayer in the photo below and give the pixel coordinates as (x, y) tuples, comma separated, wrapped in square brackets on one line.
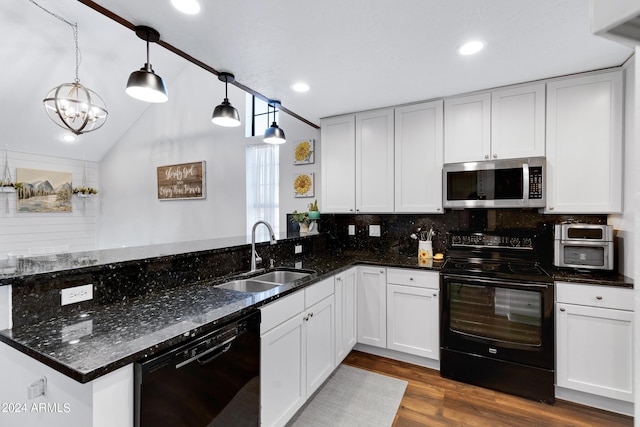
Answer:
[(255, 258)]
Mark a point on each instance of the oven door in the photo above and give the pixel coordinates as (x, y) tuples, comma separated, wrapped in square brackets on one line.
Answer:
[(498, 319)]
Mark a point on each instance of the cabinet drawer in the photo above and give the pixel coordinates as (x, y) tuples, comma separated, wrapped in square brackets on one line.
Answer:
[(409, 277), (595, 296), (281, 310), (319, 291)]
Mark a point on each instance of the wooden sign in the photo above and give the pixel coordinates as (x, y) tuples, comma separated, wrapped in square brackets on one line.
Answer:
[(183, 181)]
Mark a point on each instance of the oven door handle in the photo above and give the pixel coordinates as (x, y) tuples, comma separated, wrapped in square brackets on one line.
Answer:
[(497, 282)]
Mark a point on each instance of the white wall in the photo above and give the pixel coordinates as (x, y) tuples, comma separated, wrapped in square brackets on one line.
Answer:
[(23, 231), (178, 131), (296, 131)]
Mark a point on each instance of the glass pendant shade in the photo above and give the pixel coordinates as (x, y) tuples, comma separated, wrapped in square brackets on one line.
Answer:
[(225, 115), (76, 108), (147, 86), (274, 135)]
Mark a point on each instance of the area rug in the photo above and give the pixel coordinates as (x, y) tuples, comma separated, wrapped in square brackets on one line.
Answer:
[(352, 397)]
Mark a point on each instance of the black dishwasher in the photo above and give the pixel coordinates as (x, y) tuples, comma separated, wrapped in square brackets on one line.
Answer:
[(212, 380)]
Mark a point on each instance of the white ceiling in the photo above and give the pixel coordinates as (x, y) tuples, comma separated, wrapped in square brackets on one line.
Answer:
[(355, 55)]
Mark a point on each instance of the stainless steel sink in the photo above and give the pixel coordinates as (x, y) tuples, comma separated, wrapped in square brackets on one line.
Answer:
[(282, 276), (249, 285)]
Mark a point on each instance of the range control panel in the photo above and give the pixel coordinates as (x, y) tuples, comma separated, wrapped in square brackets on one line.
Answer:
[(458, 239)]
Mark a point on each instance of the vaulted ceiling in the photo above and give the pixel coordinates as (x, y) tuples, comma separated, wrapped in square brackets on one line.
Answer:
[(355, 55)]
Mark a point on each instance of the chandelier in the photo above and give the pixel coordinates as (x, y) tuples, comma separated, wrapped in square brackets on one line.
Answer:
[(71, 105)]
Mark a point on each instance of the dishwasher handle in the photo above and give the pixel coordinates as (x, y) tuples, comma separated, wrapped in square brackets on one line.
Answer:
[(225, 345)]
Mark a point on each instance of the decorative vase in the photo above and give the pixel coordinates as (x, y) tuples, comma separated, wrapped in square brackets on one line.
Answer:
[(304, 227), (314, 214), (425, 250)]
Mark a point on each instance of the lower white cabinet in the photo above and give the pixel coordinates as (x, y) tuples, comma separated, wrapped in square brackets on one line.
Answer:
[(372, 306), (296, 350), (594, 340), (413, 302), (346, 312)]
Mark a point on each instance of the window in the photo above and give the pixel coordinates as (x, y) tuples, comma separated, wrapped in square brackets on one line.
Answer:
[(257, 120), (263, 186)]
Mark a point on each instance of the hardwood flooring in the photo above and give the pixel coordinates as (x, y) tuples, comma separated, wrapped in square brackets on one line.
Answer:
[(431, 400)]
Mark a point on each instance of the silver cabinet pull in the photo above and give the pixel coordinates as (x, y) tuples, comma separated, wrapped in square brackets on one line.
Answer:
[(598, 297), (562, 309)]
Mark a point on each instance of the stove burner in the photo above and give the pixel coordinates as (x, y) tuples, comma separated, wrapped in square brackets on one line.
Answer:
[(530, 269)]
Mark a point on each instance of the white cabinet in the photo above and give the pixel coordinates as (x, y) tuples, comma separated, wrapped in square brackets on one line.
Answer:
[(584, 144), (374, 161), (338, 164), (467, 128), (372, 307), (418, 158), (413, 312), (594, 340), (296, 350), (504, 124), (104, 402), (346, 313), (357, 163), (518, 122)]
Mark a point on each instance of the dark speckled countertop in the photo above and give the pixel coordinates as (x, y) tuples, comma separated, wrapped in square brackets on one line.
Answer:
[(90, 344)]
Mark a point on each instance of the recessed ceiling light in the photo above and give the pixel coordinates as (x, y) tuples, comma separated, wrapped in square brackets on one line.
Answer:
[(190, 7), (300, 87), (69, 137), (471, 47)]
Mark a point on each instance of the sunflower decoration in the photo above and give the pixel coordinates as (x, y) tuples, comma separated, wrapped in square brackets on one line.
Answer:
[(303, 152), (303, 185)]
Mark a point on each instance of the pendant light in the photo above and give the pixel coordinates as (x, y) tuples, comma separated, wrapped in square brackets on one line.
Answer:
[(273, 134), (225, 114), (71, 105), (144, 84)]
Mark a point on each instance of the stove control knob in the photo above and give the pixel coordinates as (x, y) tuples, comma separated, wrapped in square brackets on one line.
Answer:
[(456, 240), (526, 242), (515, 241)]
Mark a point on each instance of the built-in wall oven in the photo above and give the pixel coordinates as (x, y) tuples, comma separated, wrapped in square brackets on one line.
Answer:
[(212, 380), (497, 324)]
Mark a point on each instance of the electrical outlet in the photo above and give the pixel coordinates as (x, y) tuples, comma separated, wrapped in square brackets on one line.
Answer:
[(352, 229), (297, 249), (298, 264), (76, 294), (374, 230)]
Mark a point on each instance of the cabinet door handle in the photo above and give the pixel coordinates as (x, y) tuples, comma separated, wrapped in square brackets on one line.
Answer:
[(550, 208), (598, 297), (435, 295), (486, 156), (339, 279), (562, 309), (495, 156), (381, 271), (411, 279)]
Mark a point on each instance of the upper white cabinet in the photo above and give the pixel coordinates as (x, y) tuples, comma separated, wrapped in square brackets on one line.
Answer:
[(374, 161), (338, 164), (517, 122), (418, 158), (357, 163), (584, 144), (467, 128), (504, 124)]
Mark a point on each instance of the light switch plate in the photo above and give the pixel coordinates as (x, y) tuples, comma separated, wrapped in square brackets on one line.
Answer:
[(76, 294), (374, 230), (352, 229)]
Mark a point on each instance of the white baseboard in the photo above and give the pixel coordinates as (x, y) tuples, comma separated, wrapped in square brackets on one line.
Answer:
[(587, 399), (398, 355)]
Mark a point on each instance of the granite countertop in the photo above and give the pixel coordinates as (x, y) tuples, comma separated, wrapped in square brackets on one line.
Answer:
[(94, 343)]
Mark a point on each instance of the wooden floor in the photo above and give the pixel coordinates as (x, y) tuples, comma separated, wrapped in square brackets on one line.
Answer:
[(431, 400)]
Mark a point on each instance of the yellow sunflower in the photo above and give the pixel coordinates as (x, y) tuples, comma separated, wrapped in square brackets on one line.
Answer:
[(302, 184), (303, 151)]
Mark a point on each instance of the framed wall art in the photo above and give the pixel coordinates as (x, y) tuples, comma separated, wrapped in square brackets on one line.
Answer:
[(304, 152), (43, 191), (303, 185), (182, 181)]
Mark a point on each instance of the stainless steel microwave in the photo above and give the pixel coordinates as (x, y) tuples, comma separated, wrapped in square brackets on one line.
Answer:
[(578, 245), (510, 183)]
